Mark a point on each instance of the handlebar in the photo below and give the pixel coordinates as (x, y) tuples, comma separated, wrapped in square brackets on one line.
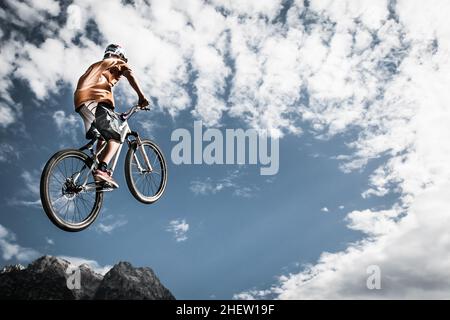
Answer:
[(127, 114)]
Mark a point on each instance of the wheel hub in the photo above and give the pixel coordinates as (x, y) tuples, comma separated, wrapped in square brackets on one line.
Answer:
[(69, 189)]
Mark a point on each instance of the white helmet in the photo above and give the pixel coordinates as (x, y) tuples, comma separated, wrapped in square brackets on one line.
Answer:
[(117, 50)]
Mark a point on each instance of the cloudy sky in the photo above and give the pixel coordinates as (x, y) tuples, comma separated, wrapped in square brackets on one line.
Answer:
[(357, 92)]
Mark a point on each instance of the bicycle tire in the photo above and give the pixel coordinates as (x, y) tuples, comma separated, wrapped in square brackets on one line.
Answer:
[(131, 183), (45, 197)]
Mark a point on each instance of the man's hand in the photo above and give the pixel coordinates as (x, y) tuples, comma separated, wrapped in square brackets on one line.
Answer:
[(143, 102)]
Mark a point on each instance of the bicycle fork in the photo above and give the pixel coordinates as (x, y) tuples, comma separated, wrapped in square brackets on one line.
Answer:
[(144, 155)]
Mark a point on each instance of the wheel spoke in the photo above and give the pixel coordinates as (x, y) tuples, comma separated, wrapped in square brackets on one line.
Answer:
[(66, 207), (57, 179), (151, 184), (154, 161), (147, 184), (60, 170), (65, 198), (65, 169), (83, 203)]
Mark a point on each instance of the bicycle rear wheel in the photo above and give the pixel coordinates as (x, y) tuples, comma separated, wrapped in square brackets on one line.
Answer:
[(147, 186), (69, 195)]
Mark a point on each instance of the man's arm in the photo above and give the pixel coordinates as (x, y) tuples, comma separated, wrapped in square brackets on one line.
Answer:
[(143, 102)]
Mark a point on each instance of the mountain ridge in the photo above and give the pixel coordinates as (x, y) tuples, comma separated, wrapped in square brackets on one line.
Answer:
[(54, 278)]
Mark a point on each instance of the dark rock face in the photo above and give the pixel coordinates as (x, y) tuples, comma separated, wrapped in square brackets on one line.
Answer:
[(14, 267), (89, 283), (47, 279), (125, 282), (43, 279)]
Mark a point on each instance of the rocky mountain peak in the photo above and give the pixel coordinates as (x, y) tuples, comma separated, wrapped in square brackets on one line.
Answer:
[(51, 277), (124, 275), (48, 262), (12, 268)]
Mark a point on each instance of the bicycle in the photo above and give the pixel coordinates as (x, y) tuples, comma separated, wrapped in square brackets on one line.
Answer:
[(70, 196)]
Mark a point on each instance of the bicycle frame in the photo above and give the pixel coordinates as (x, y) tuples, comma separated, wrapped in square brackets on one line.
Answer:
[(125, 132)]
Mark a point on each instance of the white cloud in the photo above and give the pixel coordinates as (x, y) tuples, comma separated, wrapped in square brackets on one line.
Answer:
[(179, 228), (244, 192), (7, 66), (30, 190), (179, 46), (270, 8), (7, 116), (7, 152), (94, 265), (11, 250), (252, 295), (32, 11), (406, 123), (110, 223), (386, 80), (66, 123), (372, 16), (50, 6), (49, 241), (149, 126), (26, 203), (410, 253), (31, 180), (205, 187), (324, 209), (230, 182)]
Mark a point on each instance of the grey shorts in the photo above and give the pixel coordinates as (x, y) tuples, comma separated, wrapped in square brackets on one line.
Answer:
[(100, 120)]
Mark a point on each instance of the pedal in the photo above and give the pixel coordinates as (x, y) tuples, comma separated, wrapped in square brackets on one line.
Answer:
[(104, 187), (107, 189)]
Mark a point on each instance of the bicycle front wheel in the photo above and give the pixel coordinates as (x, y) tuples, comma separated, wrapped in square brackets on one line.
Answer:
[(68, 192), (146, 184)]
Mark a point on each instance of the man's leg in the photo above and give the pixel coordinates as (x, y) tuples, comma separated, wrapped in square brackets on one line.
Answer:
[(100, 144), (109, 151), (102, 174), (108, 124)]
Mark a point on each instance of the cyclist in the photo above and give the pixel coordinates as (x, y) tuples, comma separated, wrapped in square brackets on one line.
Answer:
[(94, 102)]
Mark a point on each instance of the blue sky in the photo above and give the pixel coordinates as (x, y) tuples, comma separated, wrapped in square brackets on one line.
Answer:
[(354, 90), (233, 242)]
